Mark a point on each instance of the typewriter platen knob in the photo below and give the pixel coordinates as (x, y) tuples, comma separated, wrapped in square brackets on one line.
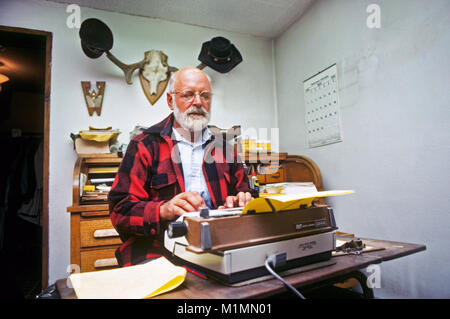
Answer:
[(176, 229), (204, 212)]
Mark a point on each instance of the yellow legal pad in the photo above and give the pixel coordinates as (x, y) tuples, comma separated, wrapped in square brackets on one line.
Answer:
[(288, 201), (134, 282)]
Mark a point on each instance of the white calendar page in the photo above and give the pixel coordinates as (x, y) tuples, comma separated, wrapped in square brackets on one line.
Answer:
[(322, 110)]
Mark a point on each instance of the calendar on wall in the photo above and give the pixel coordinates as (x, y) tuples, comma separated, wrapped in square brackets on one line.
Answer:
[(322, 110)]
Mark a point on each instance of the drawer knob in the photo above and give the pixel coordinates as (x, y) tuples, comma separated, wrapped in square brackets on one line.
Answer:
[(106, 262), (102, 233)]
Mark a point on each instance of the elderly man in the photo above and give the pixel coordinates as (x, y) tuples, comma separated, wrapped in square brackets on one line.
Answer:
[(173, 167)]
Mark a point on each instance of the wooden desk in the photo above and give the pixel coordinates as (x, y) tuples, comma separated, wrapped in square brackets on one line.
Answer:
[(93, 239), (198, 288)]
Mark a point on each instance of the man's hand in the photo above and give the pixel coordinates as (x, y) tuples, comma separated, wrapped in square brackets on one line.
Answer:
[(240, 200), (180, 204)]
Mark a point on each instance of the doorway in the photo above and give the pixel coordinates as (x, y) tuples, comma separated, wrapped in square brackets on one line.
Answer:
[(25, 61)]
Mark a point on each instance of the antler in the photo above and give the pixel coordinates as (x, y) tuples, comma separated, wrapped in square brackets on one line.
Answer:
[(127, 69)]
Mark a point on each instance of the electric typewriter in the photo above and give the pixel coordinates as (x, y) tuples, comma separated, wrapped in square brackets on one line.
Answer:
[(232, 245)]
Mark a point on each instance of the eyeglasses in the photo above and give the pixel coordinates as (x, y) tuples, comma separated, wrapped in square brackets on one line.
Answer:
[(188, 95)]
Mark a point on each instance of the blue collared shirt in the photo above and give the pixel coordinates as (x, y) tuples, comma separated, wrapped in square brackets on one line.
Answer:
[(191, 155)]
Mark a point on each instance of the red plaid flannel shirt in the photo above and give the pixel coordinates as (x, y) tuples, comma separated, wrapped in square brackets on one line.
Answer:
[(149, 176)]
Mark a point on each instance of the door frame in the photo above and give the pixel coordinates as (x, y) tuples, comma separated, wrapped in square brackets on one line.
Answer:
[(45, 212)]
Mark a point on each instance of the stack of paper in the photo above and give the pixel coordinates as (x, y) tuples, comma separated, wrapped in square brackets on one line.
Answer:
[(134, 282)]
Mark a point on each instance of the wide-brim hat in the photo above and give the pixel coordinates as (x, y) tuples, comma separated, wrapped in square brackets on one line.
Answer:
[(96, 37), (220, 54)]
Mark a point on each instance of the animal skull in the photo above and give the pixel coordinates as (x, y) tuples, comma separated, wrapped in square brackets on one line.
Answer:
[(155, 68)]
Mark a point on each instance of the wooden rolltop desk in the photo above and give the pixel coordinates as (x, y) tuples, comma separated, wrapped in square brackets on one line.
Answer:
[(94, 239)]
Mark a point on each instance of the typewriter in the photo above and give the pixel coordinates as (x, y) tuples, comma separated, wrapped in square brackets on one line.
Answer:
[(232, 245)]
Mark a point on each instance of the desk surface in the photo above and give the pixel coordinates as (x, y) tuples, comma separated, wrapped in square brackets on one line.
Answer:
[(197, 288)]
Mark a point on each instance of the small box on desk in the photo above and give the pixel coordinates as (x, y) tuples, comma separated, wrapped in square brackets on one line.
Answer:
[(91, 147)]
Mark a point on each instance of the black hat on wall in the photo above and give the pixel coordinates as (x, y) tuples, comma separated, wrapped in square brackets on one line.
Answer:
[(220, 54), (96, 38)]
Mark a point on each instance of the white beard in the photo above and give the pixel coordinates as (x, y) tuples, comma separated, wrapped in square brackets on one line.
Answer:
[(191, 123)]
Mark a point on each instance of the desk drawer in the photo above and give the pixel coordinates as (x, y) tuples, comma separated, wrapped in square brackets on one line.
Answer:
[(98, 232), (276, 175), (272, 173), (99, 259), (275, 178)]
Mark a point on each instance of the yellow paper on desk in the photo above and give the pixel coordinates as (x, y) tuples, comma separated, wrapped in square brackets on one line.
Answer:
[(288, 201), (98, 134), (134, 282)]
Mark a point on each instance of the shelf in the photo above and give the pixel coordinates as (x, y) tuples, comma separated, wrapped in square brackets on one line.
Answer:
[(87, 208), (94, 170), (103, 170)]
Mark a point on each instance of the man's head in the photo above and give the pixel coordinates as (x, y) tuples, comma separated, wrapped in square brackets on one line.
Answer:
[(189, 97)]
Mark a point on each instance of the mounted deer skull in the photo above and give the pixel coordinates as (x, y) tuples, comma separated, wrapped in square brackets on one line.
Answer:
[(154, 71), (155, 68)]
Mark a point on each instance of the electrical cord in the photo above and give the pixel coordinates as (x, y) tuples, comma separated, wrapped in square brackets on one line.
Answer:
[(275, 260)]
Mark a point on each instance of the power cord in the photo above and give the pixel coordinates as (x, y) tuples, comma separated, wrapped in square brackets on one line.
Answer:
[(276, 261)]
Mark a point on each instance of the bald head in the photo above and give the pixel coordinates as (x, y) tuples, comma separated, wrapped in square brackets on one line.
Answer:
[(189, 97), (188, 71)]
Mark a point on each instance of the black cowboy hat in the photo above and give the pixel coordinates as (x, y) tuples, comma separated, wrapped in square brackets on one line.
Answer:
[(220, 54), (96, 38)]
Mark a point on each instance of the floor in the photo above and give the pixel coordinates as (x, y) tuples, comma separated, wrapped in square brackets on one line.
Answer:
[(20, 256)]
